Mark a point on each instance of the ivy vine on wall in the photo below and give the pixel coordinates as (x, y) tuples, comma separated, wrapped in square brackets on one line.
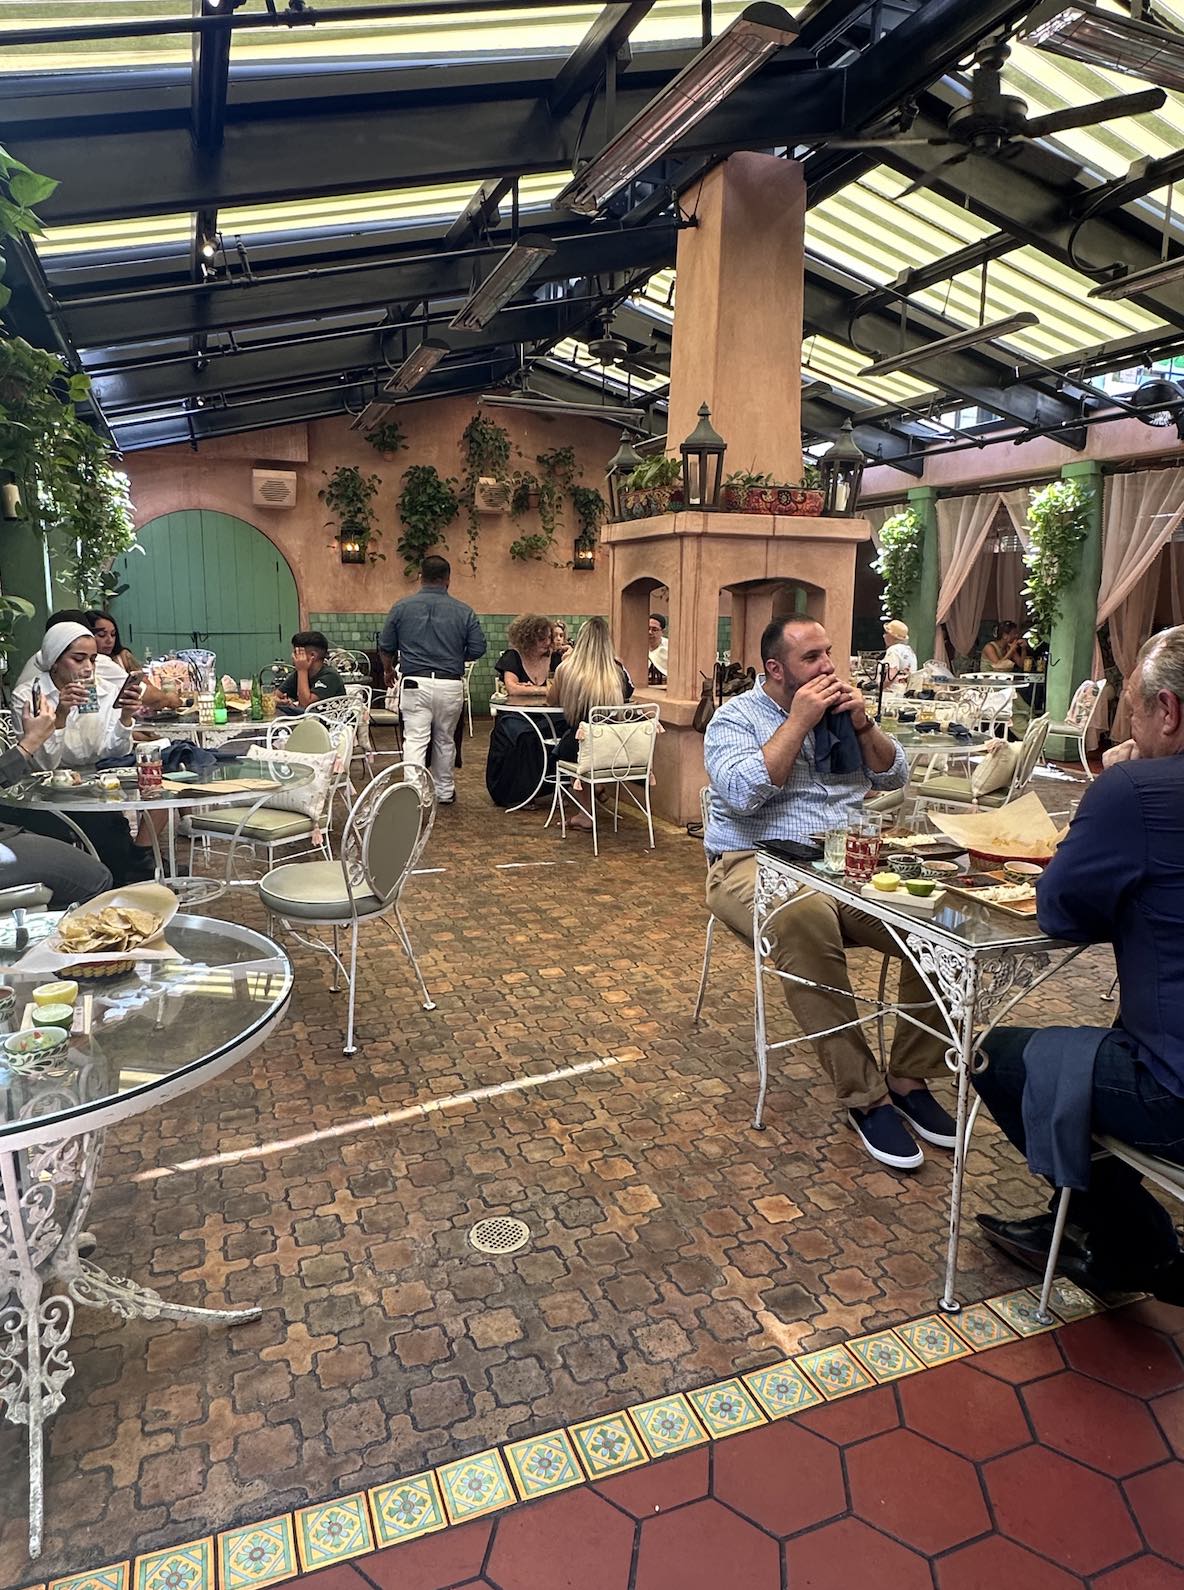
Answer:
[(485, 450), (1058, 522), (899, 561), (427, 506), (349, 494)]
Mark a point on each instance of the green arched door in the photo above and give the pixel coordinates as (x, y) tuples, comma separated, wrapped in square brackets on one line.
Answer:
[(207, 579)]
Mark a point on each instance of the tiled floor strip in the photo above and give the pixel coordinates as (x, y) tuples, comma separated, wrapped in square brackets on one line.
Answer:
[(268, 1553)]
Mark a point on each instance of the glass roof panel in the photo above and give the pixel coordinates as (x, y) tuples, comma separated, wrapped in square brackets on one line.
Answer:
[(451, 33), (357, 211)]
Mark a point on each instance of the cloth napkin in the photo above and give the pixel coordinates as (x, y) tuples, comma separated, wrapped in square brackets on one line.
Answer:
[(836, 745)]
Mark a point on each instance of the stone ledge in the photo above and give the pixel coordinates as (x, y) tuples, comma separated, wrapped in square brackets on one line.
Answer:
[(764, 526)]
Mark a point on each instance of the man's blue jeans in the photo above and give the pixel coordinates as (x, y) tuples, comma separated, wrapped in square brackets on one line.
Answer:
[(1126, 1228)]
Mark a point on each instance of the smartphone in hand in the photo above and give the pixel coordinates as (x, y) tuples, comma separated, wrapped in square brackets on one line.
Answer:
[(130, 691), (36, 700)]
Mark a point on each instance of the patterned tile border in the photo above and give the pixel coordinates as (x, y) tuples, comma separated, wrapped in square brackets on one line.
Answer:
[(258, 1555)]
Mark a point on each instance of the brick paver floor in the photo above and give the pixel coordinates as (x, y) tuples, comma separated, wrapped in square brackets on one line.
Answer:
[(671, 1244)]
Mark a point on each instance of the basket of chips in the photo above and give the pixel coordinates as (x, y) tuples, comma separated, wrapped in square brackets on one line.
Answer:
[(106, 936)]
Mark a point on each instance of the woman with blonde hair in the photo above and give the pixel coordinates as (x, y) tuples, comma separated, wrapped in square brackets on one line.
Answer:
[(591, 676)]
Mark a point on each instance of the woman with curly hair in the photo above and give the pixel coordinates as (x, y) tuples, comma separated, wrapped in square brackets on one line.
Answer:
[(529, 661)]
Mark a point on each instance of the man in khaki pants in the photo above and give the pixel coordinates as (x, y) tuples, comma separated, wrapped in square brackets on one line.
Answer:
[(791, 758)]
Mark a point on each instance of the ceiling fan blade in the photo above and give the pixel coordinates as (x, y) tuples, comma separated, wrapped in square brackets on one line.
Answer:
[(881, 143), (930, 177), (1090, 115)]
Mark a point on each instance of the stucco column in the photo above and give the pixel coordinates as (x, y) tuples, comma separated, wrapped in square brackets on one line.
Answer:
[(1074, 631), (737, 342), (921, 613)]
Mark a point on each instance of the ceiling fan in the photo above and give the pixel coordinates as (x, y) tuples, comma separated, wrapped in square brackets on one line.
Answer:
[(993, 123)]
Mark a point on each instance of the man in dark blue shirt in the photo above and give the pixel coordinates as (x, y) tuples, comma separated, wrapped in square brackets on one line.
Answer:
[(432, 636), (1118, 878)]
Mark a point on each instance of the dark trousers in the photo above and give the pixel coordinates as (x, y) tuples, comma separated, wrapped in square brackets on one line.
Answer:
[(70, 873), (1126, 1228), (108, 832)]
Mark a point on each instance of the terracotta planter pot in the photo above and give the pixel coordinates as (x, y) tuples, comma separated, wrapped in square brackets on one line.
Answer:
[(800, 501), (761, 499)]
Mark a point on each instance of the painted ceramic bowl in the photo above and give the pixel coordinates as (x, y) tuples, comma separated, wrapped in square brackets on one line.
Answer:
[(904, 866), (36, 1048), (941, 870), (7, 1001)]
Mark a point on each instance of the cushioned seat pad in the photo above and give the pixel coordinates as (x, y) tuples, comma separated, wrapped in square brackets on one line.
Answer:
[(314, 890), (572, 770), (948, 787), (267, 822)]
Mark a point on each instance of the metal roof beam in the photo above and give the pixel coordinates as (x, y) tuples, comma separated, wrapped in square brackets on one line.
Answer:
[(584, 67)]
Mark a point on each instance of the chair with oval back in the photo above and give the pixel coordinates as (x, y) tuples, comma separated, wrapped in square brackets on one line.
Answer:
[(385, 834)]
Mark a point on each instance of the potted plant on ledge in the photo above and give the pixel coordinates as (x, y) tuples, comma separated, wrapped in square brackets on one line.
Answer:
[(747, 492), (654, 487)]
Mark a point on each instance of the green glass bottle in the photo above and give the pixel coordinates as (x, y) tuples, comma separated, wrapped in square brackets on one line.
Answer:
[(256, 701), (220, 713)]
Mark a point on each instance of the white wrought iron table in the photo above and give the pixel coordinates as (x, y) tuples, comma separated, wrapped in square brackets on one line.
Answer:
[(141, 1040), (976, 962), (545, 721)]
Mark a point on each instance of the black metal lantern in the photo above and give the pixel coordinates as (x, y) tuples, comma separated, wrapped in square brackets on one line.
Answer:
[(583, 556), (352, 551), (841, 468), (703, 464), (622, 464)]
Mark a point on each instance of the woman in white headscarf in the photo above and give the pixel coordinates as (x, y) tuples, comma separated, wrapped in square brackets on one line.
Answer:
[(91, 720)]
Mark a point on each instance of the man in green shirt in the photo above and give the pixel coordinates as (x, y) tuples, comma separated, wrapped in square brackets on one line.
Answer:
[(312, 679)]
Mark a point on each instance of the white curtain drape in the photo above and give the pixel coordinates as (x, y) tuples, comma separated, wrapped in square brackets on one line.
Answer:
[(876, 515), (1139, 513), (963, 524), (1176, 580)]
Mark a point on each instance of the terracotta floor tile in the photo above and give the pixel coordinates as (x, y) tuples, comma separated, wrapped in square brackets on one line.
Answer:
[(782, 1477), (916, 1491), (1123, 1354), (1158, 1500), (578, 1540), (657, 1487), (841, 1557), (445, 1558), (342, 1577), (959, 1407), (990, 1564), (703, 1547), (1169, 1411), (1096, 1424), (1145, 1573), (1022, 1361), (854, 1418), (1065, 1512)]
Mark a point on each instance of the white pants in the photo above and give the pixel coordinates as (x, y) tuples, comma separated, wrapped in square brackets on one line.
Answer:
[(430, 709)]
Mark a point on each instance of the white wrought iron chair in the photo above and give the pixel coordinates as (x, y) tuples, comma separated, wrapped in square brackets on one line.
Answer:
[(948, 789), (468, 707), (705, 817), (617, 750), (383, 716), (385, 834), (1164, 1173), (1079, 720)]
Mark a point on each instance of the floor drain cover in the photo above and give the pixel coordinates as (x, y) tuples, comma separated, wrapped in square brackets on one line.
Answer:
[(499, 1235)]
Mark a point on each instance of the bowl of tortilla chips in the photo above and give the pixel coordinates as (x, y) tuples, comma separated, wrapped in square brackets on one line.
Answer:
[(106, 931)]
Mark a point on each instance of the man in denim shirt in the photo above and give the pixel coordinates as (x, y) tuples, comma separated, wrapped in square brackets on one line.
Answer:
[(766, 784)]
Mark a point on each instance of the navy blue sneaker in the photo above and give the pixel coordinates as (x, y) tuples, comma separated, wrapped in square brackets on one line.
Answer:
[(883, 1134), (926, 1116)]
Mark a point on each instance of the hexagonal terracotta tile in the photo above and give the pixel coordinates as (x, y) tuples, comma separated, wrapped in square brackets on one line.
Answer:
[(1061, 1510), (1145, 1573), (1169, 1411), (781, 1477), (1123, 1354), (703, 1546), (656, 1487), (918, 1492), (961, 1408), (1104, 1428), (1019, 1362), (586, 1540), (1158, 1500), (986, 1564), (445, 1558), (841, 1555), (854, 1418)]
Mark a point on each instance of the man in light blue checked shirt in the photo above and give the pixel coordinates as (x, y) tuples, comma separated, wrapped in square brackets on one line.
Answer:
[(772, 779)]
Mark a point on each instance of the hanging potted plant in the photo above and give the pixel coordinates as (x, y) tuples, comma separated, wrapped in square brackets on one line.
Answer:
[(1058, 520), (899, 562), (350, 495), (485, 449), (387, 438), (427, 506)]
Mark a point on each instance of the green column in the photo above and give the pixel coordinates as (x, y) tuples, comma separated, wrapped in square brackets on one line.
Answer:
[(1071, 644), (24, 571), (921, 613)]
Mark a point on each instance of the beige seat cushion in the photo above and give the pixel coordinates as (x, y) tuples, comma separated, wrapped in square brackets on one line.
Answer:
[(267, 822), (622, 750), (314, 890), (951, 788), (603, 774), (995, 767)]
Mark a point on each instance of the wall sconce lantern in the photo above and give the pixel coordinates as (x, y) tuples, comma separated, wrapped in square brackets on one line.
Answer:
[(622, 464), (352, 552), (841, 468), (583, 555), (703, 465)]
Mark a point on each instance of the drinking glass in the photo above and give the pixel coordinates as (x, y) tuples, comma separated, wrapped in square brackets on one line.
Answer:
[(862, 849), (91, 704), (267, 698), (834, 850)]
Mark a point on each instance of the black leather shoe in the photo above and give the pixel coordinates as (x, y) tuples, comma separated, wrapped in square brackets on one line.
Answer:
[(1029, 1241)]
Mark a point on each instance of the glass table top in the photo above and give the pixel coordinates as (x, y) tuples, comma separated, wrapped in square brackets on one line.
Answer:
[(235, 775), (149, 1029)]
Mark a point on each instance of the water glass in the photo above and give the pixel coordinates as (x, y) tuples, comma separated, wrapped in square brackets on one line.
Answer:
[(91, 704), (862, 850), (834, 850)]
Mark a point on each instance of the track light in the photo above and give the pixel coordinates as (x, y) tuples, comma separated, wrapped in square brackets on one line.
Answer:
[(209, 247), (1144, 281), (729, 60), (1083, 32), (907, 358), (516, 266), (418, 363)]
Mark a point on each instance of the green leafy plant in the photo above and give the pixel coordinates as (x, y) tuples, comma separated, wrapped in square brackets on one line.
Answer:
[(427, 506), (485, 449), (94, 517), (536, 545), (349, 494), (386, 436), (742, 480), (20, 190), (523, 486), (811, 476), (899, 562), (661, 472), (557, 473), (11, 608), (1058, 520), (591, 512)]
